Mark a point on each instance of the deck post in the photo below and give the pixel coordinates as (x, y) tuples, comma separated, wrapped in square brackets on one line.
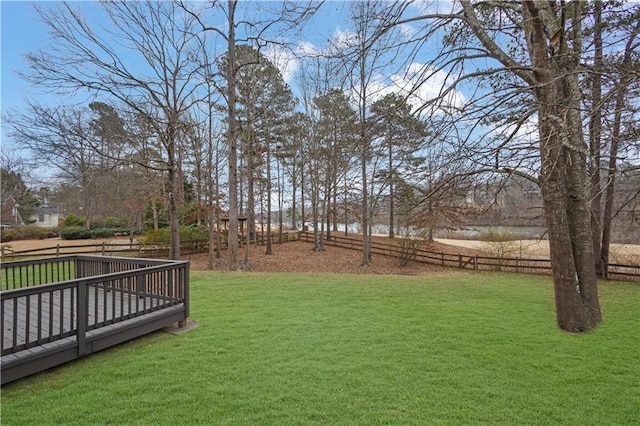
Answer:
[(185, 294), (140, 285), (81, 318)]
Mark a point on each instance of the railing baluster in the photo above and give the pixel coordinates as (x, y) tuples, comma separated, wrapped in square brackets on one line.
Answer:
[(130, 288), (50, 333), (61, 313), (39, 317), (122, 293), (72, 310), (96, 304), (27, 319), (14, 342), (113, 301), (104, 302)]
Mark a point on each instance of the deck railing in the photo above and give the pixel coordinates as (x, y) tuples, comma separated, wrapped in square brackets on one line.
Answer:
[(29, 273), (93, 292)]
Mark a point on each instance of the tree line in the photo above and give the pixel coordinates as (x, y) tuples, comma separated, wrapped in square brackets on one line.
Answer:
[(408, 111)]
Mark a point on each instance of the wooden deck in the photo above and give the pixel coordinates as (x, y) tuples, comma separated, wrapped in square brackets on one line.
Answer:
[(55, 322)]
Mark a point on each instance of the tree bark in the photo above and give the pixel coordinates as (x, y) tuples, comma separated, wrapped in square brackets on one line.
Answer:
[(174, 222), (232, 238), (563, 176), (269, 249), (391, 194)]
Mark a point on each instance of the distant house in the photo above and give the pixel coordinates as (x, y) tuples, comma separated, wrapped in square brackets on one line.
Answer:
[(46, 217), (9, 215)]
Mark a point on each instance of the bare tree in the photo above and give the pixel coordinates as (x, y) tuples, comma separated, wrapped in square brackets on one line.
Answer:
[(13, 173), (284, 17), (156, 74), (623, 116), (364, 59), (61, 138)]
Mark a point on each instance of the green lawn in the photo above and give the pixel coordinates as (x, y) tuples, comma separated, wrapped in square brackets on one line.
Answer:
[(452, 348)]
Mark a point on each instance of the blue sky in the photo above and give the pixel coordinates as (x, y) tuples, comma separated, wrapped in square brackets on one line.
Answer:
[(23, 32)]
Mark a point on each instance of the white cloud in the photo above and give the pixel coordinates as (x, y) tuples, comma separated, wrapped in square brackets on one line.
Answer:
[(341, 40), (284, 60), (408, 31), (427, 7), (307, 48), (428, 88)]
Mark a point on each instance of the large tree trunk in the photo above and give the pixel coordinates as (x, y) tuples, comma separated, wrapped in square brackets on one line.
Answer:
[(294, 190), (366, 236), (174, 222), (391, 194), (563, 178), (595, 133), (269, 248), (318, 243), (232, 238)]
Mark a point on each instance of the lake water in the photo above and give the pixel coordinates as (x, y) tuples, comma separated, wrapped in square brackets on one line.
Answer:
[(466, 233)]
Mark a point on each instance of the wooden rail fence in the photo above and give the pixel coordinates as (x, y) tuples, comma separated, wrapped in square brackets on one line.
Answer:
[(514, 264), (137, 249), (475, 262)]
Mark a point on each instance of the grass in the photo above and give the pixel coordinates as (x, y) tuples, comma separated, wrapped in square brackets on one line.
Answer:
[(454, 348)]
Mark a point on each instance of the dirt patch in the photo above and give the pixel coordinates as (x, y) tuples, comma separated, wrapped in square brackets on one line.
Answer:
[(296, 256), (299, 256), (619, 253)]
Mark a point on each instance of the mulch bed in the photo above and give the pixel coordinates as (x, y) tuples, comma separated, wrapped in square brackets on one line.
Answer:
[(299, 256)]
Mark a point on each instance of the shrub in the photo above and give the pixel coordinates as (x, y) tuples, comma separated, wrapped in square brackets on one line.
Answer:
[(187, 233), (193, 233), (499, 244), (110, 222), (409, 244), (7, 235), (72, 220), (75, 233), (159, 236), (80, 233), (28, 233), (103, 232), (502, 235)]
